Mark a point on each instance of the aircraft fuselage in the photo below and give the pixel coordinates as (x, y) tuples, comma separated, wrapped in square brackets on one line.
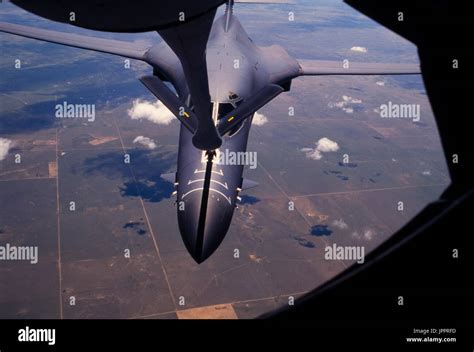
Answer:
[(207, 190)]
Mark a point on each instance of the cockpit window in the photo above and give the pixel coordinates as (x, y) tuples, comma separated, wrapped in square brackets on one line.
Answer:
[(233, 96)]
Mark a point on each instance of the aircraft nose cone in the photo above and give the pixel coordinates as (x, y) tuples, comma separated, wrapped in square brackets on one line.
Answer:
[(203, 229)]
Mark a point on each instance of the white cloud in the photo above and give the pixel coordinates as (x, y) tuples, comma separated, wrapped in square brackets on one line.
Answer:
[(5, 145), (259, 119), (359, 49), (155, 112), (324, 145), (314, 154), (426, 173), (341, 104), (348, 110), (351, 100), (346, 104), (147, 142), (367, 235), (340, 224), (306, 150), (380, 83)]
